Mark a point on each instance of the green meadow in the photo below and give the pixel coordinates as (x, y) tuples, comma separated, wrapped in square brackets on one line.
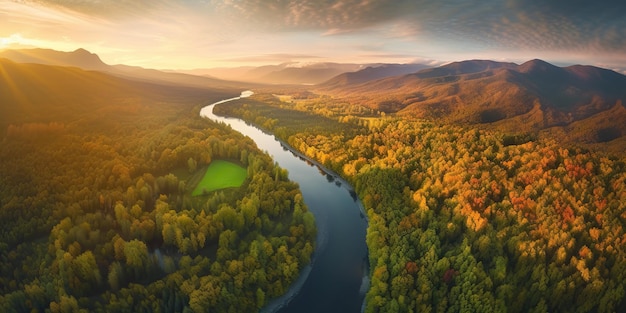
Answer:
[(219, 175)]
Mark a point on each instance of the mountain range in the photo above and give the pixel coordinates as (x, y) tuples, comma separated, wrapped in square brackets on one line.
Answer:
[(86, 60), (39, 93), (372, 72), (291, 73), (531, 97), (576, 104), (80, 58)]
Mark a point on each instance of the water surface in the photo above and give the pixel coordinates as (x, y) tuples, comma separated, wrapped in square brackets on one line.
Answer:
[(333, 282)]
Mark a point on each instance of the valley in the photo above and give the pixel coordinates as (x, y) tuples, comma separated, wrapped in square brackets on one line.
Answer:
[(472, 186), (337, 278), (469, 219), (96, 215)]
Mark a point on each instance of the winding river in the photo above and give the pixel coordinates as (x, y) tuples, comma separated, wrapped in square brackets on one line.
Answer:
[(337, 278)]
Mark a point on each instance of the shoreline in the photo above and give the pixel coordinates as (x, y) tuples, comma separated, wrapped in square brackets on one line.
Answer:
[(295, 287), (278, 303)]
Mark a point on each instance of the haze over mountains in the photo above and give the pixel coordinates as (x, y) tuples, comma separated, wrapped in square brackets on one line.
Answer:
[(579, 104), (372, 73), (284, 73), (38, 93), (77, 58), (89, 61)]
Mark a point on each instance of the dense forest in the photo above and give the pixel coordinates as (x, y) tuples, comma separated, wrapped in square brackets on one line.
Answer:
[(96, 212), (463, 219)]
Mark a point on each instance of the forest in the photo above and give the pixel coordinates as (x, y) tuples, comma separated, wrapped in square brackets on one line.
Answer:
[(96, 211), (463, 219)]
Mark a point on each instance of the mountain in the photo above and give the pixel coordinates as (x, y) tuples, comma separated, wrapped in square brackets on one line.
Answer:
[(533, 96), (291, 73), (89, 61), (37, 93), (324, 73), (308, 74), (372, 73), (149, 75), (78, 58), (240, 73)]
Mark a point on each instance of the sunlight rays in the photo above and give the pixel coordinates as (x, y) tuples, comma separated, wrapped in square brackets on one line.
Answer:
[(8, 84)]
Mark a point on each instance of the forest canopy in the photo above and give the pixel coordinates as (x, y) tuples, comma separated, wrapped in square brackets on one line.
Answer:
[(96, 212), (467, 220)]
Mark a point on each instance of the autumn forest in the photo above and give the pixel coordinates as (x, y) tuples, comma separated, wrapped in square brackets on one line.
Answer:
[(117, 196), (467, 220), (97, 213)]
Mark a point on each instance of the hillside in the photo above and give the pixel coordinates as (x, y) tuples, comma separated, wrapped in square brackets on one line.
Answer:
[(78, 58), (469, 220), (529, 97), (155, 76), (372, 73), (85, 60), (96, 206), (42, 93)]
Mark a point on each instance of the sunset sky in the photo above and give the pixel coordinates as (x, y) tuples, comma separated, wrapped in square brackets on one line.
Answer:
[(210, 33)]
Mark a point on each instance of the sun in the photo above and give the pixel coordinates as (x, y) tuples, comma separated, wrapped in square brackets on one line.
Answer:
[(11, 40)]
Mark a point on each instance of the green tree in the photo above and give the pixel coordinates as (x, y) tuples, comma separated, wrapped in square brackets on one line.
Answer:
[(136, 254), (192, 165)]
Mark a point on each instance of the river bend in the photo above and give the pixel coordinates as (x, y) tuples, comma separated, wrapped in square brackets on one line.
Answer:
[(337, 278)]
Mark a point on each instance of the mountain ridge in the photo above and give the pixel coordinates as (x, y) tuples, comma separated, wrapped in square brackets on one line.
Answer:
[(39, 93), (78, 58), (86, 60), (370, 73), (529, 97), (287, 73)]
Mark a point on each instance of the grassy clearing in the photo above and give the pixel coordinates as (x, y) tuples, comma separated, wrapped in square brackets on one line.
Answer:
[(219, 175)]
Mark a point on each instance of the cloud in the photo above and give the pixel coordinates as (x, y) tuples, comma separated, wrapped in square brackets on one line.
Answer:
[(118, 9), (265, 29), (42, 26), (25, 13), (547, 25), (513, 23), (328, 16)]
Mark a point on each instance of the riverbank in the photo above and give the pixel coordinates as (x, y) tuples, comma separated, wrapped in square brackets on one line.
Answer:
[(338, 272), (276, 304), (336, 177)]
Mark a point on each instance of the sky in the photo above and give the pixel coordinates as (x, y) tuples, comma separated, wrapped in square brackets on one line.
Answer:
[(188, 34)]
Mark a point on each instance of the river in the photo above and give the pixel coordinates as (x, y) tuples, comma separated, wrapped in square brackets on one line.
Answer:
[(337, 278)]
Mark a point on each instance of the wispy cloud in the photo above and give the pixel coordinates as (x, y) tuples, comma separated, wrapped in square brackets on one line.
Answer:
[(253, 28), (512, 23)]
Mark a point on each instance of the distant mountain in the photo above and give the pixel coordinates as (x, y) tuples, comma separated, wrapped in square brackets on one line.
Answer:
[(295, 75), (290, 73), (78, 58), (464, 67), (227, 73), (372, 73), (37, 93), (324, 73), (532, 96), (88, 61), (156, 76)]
